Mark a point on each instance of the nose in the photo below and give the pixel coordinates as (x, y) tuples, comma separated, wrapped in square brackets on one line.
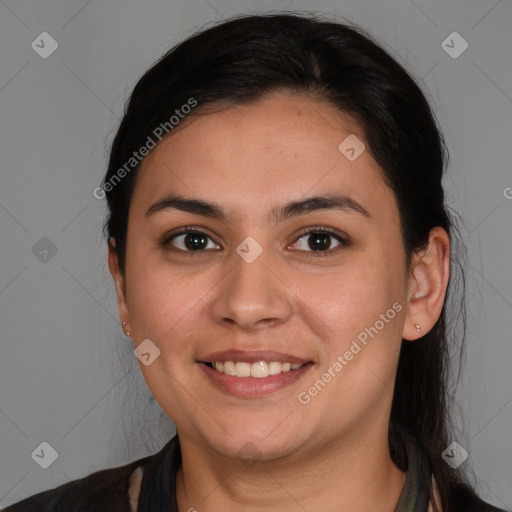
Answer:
[(252, 295)]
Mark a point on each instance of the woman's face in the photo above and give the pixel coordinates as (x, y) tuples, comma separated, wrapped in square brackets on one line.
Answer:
[(251, 287)]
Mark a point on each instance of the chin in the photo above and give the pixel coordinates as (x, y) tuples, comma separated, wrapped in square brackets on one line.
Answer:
[(254, 443)]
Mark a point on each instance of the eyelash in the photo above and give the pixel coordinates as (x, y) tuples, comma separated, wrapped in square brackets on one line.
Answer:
[(343, 242)]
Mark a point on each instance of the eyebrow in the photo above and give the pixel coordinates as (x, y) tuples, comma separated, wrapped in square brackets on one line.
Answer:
[(278, 214)]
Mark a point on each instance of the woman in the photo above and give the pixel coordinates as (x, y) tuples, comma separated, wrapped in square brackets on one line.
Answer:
[(281, 252)]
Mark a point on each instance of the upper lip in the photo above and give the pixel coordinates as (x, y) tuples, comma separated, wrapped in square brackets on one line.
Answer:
[(252, 357)]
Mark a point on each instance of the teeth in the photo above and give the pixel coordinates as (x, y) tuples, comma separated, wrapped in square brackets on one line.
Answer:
[(242, 369), (229, 368), (259, 370), (274, 368)]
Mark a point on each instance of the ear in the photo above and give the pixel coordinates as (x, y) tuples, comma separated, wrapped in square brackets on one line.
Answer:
[(428, 280), (119, 280)]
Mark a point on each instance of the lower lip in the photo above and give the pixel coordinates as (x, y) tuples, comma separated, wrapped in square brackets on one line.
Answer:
[(252, 386)]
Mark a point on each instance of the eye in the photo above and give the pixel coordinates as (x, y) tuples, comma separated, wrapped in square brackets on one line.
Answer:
[(319, 240), (316, 240), (189, 240)]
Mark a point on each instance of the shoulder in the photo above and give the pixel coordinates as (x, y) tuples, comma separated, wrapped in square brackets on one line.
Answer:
[(465, 499), (102, 491)]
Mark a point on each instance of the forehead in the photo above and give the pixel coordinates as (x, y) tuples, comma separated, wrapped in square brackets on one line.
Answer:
[(248, 157)]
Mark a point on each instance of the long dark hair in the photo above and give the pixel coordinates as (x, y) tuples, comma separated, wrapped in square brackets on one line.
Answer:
[(242, 59)]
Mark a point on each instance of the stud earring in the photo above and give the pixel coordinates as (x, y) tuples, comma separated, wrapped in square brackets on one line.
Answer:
[(418, 328), (123, 327)]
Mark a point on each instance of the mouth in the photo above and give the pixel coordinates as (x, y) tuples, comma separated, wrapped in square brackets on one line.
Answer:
[(253, 374)]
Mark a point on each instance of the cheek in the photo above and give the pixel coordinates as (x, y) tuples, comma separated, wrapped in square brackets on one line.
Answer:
[(364, 312), (363, 306), (165, 308), (161, 302), (352, 300)]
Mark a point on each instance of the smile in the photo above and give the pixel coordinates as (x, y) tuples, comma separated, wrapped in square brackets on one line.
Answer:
[(259, 370)]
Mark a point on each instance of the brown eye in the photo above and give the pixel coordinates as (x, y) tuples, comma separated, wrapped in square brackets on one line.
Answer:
[(189, 241), (319, 240)]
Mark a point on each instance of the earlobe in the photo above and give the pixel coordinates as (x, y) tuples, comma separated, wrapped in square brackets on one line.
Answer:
[(428, 282)]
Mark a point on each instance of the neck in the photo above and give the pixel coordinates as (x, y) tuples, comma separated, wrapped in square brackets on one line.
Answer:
[(354, 474)]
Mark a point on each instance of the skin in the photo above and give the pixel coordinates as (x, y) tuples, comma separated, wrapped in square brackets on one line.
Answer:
[(332, 453)]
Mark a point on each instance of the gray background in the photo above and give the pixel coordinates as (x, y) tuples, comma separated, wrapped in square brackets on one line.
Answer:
[(67, 375)]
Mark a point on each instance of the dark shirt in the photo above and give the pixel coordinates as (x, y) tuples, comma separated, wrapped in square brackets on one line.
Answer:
[(107, 490)]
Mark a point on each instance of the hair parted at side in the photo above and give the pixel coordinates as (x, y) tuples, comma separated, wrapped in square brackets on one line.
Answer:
[(238, 61)]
